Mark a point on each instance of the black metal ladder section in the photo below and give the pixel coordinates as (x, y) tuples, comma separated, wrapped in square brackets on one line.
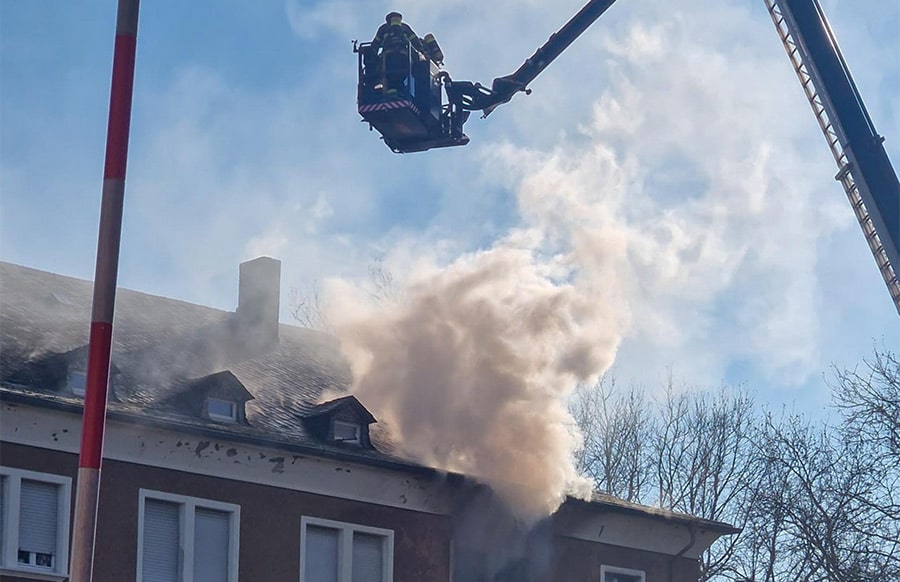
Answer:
[(825, 113)]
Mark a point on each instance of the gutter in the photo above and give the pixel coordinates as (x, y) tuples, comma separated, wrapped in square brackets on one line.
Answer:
[(131, 418)]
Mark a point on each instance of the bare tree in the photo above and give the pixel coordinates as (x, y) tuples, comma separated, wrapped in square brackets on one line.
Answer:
[(308, 308), (617, 430), (704, 462), (869, 400), (815, 502), (832, 528), (382, 284)]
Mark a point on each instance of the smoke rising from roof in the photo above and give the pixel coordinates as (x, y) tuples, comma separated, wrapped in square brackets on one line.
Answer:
[(473, 367), (672, 196)]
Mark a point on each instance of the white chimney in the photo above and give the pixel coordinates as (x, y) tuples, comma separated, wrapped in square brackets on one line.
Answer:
[(259, 293)]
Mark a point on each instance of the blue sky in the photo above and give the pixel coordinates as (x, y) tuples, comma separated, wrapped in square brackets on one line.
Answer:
[(682, 130)]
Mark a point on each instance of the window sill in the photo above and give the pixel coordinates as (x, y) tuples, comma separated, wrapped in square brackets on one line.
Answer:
[(30, 574)]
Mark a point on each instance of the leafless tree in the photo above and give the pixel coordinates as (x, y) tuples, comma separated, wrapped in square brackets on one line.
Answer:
[(307, 308), (704, 462), (869, 400), (690, 452), (617, 429), (816, 502), (383, 286), (827, 504)]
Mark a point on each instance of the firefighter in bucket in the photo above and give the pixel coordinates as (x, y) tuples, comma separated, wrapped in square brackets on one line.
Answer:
[(394, 39)]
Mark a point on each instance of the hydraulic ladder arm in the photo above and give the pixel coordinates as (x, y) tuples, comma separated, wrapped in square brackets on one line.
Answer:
[(864, 169), (476, 97)]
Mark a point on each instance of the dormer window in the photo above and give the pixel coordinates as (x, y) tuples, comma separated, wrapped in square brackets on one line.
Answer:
[(219, 397), (76, 382), (221, 410), (347, 432), (343, 421)]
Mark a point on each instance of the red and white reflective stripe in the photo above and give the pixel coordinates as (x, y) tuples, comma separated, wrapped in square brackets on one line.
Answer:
[(92, 427), (404, 104), (108, 241)]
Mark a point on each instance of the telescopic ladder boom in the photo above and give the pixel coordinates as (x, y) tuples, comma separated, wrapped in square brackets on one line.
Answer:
[(864, 170)]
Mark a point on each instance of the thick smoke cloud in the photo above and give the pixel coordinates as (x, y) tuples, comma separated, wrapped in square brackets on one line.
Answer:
[(655, 219), (472, 368)]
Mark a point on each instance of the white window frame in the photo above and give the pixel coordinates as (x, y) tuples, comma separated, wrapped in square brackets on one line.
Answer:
[(222, 417), (642, 576), (357, 430), (187, 507), (9, 553), (345, 546)]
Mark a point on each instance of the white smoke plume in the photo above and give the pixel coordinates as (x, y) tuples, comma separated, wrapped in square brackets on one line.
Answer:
[(473, 367), (667, 205)]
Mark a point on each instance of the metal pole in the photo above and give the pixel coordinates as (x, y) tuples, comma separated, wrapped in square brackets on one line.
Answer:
[(108, 242)]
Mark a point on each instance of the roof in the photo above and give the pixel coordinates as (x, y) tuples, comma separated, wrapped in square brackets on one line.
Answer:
[(161, 345), (344, 402), (611, 502)]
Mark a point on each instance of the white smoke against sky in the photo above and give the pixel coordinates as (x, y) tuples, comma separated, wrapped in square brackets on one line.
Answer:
[(669, 217), (473, 367)]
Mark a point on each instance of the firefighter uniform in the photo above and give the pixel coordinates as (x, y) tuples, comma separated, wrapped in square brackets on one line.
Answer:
[(394, 38)]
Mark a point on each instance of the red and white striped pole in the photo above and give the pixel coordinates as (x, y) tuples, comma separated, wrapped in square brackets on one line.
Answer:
[(105, 275)]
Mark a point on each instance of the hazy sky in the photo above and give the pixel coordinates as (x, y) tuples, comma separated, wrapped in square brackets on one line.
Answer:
[(683, 131)]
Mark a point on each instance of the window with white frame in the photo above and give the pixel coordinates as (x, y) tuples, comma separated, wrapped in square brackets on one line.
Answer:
[(186, 539), (221, 410), (616, 574), (332, 551), (34, 521)]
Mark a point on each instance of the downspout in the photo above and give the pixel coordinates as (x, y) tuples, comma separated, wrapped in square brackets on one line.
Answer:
[(693, 533)]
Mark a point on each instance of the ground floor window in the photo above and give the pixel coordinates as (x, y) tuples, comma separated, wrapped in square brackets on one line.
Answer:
[(186, 539), (615, 574), (34, 521), (333, 551)]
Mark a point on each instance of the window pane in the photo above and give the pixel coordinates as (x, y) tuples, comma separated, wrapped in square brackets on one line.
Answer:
[(346, 431), (618, 577), (161, 541), (210, 546), (38, 517), (220, 408), (78, 382), (368, 558), (321, 554)]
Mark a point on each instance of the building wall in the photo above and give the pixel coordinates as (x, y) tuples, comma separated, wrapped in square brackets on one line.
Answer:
[(581, 560), (275, 489), (269, 520)]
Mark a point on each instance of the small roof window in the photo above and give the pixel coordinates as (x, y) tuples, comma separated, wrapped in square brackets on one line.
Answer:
[(347, 432), (221, 410), (76, 382), (343, 421)]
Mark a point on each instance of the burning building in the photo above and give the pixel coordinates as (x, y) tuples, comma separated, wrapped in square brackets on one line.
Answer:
[(238, 448)]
